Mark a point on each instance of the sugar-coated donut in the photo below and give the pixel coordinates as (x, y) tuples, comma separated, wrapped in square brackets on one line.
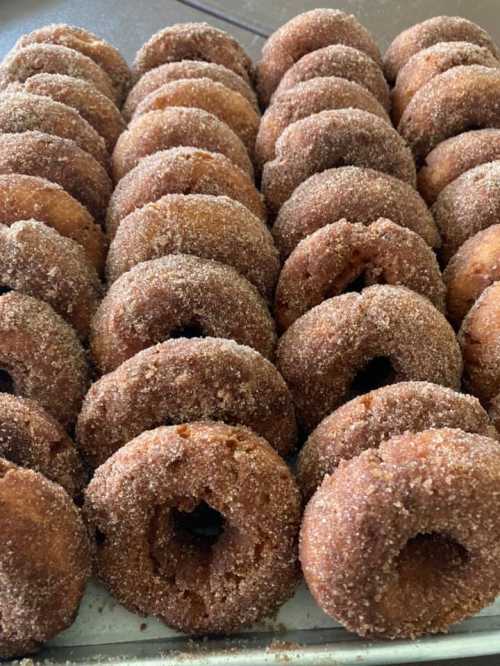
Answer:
[(344, 256), (222, 512), (404, 540), (181, 171), (305, 33), (178, 296), (45, 560), (351, 344), (183, 380), (423, 35), (371, 419), (173, 127), (213, 227), (359, 195)]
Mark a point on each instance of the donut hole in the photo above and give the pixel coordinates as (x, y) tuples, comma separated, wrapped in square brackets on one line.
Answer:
[(356, 285), (191, 329), (99, 537), (7, 384), (5, 289), (377, 372), (429, 557), (202, 526)]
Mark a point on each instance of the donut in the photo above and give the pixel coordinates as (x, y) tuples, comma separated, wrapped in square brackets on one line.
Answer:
[(29, 437), (305, 99), (20, 64), (354, 343), (403, 540), (333, 139), (222, 512), (343, 62), (45, 560), (305, 33), (423, 35), (174, 127), (181, 171), (359, 195), (178, 296), (451, 103), (426, 64), (183, 380), (206, 226), (85, 42), (467, 205), (61, 161), (227, 105), (344, 257), (28, 197), (453, 157), (41, 357), (186, 69), (367, 421), (23, 112)]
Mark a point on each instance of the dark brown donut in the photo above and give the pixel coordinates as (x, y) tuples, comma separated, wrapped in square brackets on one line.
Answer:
[(354, 343), (404, 540)]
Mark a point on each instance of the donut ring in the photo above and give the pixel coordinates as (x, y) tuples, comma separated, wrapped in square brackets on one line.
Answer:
[(23, 112), (425, 65), (354, 343), (423, 35), (332, 139), (186, 69), (304, 100), (219, 583), (46, 565), (85, 42), (305, 33), (29, 61), (430, 498), (225, 382), (60, 161), (359, 195), (181, 171), (178, 296), (367, 421), (330, 260), (211, 227), (174, 127), (228, 106), (343, 62), (467, 205), (41, 357), (29, 437), (28, 197), (451, 103)]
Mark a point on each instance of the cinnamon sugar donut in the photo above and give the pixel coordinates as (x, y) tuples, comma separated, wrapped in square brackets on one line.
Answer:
[(305, 99), (222, 515), (359, 195), (423, 35), (425, 65), (344, 257), (174, 127), (340, 61), (45, 560), (28, 197), (305, 33), (351, 344), (60, 161), (29, 437), (404, 540), (206, 226), (186, 69), (451, 103), (334, 139), (181, 171), (227, 105), (183, 380), (370, 419), (174, 297)]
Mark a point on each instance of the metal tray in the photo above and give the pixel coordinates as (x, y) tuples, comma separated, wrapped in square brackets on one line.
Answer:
[(300, 634)]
